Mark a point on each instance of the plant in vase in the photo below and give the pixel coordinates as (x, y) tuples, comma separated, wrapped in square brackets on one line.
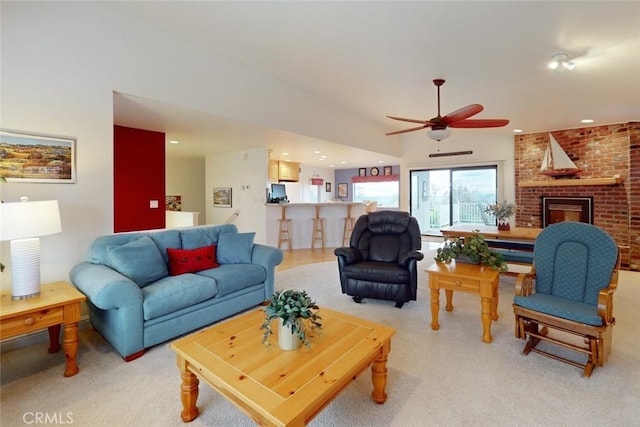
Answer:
[(502, 212), (294, 309), (473, 250)]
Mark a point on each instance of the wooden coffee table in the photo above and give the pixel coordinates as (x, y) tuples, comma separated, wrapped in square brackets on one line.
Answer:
[(276, 387), (475, 279)]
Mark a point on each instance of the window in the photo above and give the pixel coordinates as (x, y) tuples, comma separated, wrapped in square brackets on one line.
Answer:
[(386, 193), (442, 197)]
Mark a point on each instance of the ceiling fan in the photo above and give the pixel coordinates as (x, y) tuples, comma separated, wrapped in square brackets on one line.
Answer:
[(458, 119)]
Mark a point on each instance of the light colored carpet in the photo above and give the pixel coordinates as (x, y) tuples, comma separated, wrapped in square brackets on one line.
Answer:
[(436, 378)]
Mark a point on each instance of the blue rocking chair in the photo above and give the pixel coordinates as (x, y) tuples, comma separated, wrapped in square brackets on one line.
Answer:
[(569, 290)]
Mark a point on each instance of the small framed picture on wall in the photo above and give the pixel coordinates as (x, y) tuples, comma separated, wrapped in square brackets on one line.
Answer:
[(343, 190), (362, 172), (327, 187), (387, 170)]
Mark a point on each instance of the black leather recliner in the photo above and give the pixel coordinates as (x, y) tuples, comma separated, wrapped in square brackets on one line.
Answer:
[(381, 260)]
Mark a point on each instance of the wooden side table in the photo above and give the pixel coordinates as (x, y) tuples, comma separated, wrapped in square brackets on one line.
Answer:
[(58, 303), (470, 278)]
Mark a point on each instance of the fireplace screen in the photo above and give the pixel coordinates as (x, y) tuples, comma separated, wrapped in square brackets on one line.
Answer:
[(559, 209)]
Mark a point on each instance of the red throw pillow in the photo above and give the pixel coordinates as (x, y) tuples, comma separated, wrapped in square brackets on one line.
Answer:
[(191, 260)]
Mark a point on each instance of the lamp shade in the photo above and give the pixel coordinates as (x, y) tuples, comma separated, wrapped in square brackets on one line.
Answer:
[(22, 220)]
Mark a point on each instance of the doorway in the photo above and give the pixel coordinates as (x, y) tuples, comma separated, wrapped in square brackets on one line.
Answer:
[(448, 196)]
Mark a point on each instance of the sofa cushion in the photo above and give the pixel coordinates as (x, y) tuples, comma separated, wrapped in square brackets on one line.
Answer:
[(191, 260), (234, 277), (176, 292), (140, 260), (235, 248)]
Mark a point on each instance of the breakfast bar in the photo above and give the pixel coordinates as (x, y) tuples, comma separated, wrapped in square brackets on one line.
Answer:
[(301, 218)]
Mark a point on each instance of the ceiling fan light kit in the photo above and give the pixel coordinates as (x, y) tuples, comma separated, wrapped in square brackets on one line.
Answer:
[(439, 134), (458, 119)]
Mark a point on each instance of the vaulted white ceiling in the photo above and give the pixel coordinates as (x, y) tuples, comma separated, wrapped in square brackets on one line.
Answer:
[(379, 58)]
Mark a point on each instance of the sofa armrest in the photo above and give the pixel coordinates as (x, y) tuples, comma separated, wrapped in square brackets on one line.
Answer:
[(105, 287), (405, 259), (268, 257), (348, 255)]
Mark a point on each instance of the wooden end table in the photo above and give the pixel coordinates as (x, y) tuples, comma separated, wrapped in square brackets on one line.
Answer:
[(277, 387), (470, 278), (58, 303)]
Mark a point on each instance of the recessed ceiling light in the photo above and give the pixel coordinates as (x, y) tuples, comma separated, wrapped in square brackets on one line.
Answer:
[(316, 152), (380, 161), (285, 154), (173, 141), (343, 162), (517, 130), (586, 120)]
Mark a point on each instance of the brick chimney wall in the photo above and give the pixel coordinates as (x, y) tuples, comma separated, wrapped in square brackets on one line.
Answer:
[(601, 152)]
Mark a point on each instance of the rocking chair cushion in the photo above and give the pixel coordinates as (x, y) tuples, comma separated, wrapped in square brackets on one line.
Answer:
[(561, 307)]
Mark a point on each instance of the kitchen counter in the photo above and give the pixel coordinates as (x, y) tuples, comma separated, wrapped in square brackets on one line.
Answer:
[(302, 215)]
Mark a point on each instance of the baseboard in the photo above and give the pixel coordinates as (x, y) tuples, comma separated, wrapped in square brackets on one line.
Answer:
[(38, 337)]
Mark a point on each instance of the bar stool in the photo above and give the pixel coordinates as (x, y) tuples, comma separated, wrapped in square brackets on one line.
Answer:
[(284, 231), (348, 227), (317, 231)]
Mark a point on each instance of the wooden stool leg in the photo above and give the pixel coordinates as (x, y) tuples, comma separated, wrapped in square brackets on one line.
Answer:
[(346, 231), (284, 233)]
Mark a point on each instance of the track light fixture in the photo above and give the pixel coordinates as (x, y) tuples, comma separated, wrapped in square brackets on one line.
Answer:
[(560, 62)]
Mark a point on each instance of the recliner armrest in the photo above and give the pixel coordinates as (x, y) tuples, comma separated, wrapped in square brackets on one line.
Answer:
[(405, 259), (349, 255)]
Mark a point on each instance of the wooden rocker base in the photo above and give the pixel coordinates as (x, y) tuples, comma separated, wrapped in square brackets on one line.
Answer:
[(535, 336)]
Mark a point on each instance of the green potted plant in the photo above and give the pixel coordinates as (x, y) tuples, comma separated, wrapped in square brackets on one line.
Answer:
[(295, 312), (502, 212), (472, 249)]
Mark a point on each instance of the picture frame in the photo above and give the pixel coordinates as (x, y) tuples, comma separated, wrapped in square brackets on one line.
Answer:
[(388, 171), (173, 203), (327, 187), (362, 172), (35, 157), (222, 197), (343, 190)]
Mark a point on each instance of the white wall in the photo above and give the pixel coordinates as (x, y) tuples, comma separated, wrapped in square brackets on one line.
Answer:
[(186, 177)]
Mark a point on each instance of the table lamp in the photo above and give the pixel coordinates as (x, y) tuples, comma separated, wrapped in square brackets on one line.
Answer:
[(23, 223)]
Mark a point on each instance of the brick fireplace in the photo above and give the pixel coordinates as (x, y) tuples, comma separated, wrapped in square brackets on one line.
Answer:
[(611, 151)]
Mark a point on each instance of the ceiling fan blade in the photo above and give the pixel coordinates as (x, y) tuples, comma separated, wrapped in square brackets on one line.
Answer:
[(407, 130), (402, 119), (480, 123), (461, 114)]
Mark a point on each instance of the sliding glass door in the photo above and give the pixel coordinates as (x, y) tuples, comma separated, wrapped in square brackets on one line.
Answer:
[(442, 197)]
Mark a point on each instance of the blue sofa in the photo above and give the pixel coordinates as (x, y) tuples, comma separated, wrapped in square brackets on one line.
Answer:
[(138, 296)]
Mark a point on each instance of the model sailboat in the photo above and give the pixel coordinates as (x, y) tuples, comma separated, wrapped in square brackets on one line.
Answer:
[(555, 161)]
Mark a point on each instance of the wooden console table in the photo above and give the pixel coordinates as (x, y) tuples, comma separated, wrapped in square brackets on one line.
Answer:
[(470, 278), (58, 303), (523, 234)]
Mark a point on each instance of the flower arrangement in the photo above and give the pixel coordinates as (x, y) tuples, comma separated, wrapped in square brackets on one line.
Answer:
[(295, 308), (474, 248), (502, 210)]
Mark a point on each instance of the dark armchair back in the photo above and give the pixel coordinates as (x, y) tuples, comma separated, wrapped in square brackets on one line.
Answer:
[(381, 260)]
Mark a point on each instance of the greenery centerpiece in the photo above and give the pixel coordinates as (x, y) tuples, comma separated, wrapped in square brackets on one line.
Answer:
[(474, 248), (294, 309), (502, 212)]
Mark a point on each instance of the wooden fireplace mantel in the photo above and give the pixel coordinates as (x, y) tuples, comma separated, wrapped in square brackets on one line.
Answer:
[(572, 182)]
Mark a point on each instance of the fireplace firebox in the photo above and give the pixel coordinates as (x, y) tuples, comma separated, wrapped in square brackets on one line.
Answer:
[(559, 209)]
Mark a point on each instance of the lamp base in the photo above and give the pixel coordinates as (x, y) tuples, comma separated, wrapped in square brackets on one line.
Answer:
[(25, 268)]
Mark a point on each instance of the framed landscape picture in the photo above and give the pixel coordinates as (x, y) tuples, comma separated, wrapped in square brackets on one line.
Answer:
[(222, 197), (32, 157)]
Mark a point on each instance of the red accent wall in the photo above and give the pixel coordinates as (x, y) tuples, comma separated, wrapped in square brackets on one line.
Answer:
[(139, 177), (601, 152)]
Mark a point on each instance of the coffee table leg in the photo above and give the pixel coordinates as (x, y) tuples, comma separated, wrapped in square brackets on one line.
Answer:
[(449, 294), (435, 308), (71, 348), (486, 319), (379, 374), (188, 392), (494, 302)]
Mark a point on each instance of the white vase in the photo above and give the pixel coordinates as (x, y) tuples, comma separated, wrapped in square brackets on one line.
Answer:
[(286, 338)]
